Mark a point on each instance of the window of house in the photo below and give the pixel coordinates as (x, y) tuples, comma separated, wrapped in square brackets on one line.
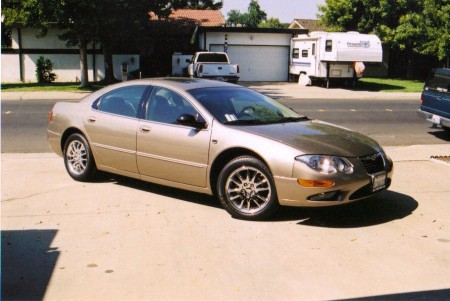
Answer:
[(328, 45), (295, 53), (305, 53)]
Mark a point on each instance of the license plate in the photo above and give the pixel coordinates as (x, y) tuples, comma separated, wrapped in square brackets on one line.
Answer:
[(379, 181), (436, 119)]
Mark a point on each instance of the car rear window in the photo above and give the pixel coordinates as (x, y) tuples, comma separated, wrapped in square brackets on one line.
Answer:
[(438, 82), (212, 58)]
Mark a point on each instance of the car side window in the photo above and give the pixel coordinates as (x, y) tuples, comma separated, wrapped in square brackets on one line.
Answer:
[(123, 101), (166, 106)]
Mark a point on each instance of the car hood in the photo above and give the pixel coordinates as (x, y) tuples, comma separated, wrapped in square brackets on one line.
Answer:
[(316, 137)]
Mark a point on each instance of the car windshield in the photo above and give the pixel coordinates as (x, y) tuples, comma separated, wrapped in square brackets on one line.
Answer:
[(241, 106)]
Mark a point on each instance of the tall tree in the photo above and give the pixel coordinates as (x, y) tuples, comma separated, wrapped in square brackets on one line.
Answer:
[(252, 18), (255, 14), (235, 18)]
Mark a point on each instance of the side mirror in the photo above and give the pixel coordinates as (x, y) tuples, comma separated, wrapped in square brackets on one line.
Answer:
[(191, 121)]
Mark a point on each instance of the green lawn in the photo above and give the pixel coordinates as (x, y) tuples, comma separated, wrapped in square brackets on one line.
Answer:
[(53, 87), (389, 85)]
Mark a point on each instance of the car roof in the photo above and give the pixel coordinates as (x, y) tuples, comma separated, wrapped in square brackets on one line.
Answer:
[(181, 82), (445, 71)]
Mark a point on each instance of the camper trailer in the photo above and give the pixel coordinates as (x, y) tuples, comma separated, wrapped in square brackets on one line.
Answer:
[(332, 55)]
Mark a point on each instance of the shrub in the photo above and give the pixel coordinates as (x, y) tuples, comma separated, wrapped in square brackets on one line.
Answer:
[(44, 68)]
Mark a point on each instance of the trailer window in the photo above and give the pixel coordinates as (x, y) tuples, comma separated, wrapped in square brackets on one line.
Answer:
[(295, 53), (313, 50), (305, 53), (328, 45)]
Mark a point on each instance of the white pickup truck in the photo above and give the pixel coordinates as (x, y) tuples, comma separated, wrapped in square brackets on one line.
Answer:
[(213, 65)]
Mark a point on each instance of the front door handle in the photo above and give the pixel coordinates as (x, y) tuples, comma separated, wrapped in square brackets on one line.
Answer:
[(145, 129), (92, 119)]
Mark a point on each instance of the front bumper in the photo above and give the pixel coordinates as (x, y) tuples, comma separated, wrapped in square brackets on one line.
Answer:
[(348, 188)]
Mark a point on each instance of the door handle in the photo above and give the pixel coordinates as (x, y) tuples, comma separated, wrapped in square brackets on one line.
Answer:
[(92, 119), (145, 129)]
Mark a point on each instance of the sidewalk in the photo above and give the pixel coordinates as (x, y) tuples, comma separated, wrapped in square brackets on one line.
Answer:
[(278, 89), (122, 239)]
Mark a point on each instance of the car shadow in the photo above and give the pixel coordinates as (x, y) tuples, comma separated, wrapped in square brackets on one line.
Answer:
[(178, 194), (28, 263), (379, 209), (443, 135), (382, 208)]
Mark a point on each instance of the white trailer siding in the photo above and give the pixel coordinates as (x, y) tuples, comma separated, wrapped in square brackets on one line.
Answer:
[(332, 55)]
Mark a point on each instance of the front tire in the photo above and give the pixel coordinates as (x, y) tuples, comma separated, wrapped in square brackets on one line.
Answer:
[(246, 189), (78, 158)]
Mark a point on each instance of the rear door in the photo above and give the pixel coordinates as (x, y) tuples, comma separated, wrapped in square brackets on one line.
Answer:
[(111, 125)]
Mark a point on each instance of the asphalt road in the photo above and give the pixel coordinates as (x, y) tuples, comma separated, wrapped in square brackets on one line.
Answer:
[(389, 121)]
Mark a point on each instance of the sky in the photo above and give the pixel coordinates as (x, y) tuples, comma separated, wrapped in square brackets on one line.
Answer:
[(285, 10)]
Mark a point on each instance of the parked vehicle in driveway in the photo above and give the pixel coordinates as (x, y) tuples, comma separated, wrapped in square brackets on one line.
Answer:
[(332, 55), (217, 138), (435, 98), (213, 65)]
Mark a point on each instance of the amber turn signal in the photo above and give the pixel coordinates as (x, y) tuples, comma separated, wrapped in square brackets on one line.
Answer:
[(315, 183)]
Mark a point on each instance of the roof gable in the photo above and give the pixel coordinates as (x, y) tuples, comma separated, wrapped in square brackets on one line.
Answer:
[(193, 17), (310, 24)]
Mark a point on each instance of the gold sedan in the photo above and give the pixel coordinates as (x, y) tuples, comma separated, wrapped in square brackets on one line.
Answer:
[(217, 138)]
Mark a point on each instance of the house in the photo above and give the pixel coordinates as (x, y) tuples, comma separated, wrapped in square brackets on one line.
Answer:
[(174, 35), (166, 36), (262, 53), (310, 24)]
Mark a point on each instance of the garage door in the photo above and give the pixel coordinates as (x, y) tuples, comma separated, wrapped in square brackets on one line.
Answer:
[(259, 63)]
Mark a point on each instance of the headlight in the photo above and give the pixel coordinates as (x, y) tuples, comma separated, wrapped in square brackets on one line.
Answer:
[(326, 164)]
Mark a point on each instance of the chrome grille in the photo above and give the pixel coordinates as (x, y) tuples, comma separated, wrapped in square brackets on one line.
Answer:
[(374, 163)]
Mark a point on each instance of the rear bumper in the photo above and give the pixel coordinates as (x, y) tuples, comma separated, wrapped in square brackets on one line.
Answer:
[(434, 118)]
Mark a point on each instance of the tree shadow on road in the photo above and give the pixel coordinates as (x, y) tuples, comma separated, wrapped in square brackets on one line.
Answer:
[(382, 208)]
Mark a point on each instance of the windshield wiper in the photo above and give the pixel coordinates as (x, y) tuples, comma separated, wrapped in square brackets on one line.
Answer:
[(293, 119), (244, 122)]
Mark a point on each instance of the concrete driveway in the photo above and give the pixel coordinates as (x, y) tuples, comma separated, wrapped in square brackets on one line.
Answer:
[(122, 239)]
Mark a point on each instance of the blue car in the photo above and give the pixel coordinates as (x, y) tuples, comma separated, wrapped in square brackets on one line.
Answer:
[(435, 98)]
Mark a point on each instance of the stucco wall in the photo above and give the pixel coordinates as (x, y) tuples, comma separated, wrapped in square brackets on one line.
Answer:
[(66, 60)]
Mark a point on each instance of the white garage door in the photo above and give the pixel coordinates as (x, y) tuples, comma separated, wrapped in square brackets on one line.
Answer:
[(259, 63)]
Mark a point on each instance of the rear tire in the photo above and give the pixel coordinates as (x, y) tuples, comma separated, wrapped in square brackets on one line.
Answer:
[(78, 158), (246, 189)]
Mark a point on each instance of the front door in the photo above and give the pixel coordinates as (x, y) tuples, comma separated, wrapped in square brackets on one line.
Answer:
[(167, 150)]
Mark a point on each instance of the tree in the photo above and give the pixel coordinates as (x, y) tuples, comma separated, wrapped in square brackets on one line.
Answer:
[(272, 23), (255, 14), (235, 18), (252, 18)]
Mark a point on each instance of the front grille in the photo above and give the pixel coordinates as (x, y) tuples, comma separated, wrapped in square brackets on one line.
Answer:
[(374, 163)]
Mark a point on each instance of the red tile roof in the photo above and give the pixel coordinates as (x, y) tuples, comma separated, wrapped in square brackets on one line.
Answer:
[(192, 16)]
